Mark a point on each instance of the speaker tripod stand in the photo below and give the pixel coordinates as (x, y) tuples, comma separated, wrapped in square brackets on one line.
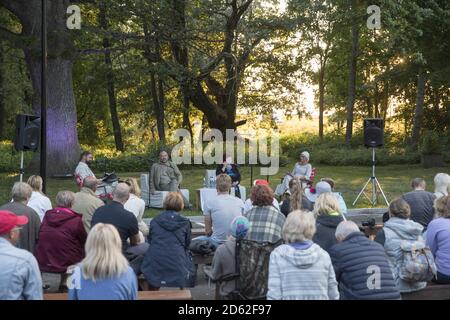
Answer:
[(376, 187)]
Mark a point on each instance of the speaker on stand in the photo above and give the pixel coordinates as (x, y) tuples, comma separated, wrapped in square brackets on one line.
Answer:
[(373, 138), (27, 136)]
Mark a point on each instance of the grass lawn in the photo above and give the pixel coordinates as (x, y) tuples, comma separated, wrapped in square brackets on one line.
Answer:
[(394, 180)]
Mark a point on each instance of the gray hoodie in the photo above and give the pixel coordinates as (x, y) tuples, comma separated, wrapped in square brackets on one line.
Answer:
[(301, 273), (396, 230)]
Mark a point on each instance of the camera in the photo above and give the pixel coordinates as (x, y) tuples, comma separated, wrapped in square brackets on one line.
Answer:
[(369, 223)]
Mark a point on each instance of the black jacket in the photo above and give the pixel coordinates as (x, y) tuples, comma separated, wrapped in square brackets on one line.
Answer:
[(421, 203), (357, 262), (234, 172), (326, 228), (168, 261), (286, 206)]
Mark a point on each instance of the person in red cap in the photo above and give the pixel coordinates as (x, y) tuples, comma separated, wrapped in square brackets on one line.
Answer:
[(20, 278)]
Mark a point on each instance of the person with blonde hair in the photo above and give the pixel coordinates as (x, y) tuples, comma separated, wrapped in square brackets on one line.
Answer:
[(297, 199), (136, 206), (39, 202), (104, 274), (328, 215), (21, 194), (168, 261), (61, 238), (441, 185), (438, 239), (220, 211), (300, 269)]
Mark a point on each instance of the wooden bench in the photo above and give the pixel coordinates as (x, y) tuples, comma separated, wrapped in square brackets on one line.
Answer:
[(202, 258), (432, 291), (183, 294)]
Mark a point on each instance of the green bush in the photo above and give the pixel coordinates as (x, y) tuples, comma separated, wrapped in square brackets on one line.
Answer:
[(10, 159)]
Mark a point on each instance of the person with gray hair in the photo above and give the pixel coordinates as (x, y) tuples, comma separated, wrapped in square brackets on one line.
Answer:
[(61, 239), (361, 266), (21, 194), (86, 201), (421, 202), (126, 223), (300, 269)]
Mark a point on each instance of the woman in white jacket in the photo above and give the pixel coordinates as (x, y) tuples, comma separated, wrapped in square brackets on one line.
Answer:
[(137, 206), (300, 269)]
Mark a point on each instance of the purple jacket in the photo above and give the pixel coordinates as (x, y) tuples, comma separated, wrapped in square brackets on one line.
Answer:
[(438, 239), (61, 240)]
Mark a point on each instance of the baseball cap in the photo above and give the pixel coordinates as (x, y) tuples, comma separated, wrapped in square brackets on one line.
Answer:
[(321, 187), (260, 182), (9, 221), (239, 227)]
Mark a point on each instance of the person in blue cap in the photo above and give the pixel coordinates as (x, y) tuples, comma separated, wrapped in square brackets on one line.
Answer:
[(224, 263)]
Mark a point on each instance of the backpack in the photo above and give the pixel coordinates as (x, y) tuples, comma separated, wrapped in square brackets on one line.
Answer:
[(254, 268), (417, 262)]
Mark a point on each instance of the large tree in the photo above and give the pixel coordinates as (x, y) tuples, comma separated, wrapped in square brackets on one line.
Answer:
[(62, 140)]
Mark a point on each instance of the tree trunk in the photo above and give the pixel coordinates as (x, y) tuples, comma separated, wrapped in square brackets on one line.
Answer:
[(418, 114), (352, 77), (321, 102), (63, 148), (2, 93), (159, 111), (110, 82)]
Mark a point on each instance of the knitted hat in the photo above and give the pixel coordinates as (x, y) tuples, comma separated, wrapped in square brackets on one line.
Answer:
[(239, 227), (305, 154), (321, 187)]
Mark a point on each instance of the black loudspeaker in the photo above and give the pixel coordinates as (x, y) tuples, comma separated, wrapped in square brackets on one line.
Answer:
[(28, 133), (373, 133)]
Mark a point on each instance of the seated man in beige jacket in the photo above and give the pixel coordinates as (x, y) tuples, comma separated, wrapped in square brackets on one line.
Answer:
[(86, 202)]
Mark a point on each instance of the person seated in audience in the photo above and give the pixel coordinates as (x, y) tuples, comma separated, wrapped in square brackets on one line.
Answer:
[(248, 203), (361, 266), (220, 211), (328, 216), (420, 202), (438, 239), (300, 269), (324, 187), (137, 206), (104, 274), (266, 221), (168, 261), (86, 201), (441, 182), (223, 267), (230, 169), (302, 169), (61, 238), (21, 194), (39, 202), (399, 227), (20, 278), (338, 195), (297, 199), (126, 223)]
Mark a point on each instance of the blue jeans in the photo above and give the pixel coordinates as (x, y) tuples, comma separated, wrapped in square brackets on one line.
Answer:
[(214, 243)]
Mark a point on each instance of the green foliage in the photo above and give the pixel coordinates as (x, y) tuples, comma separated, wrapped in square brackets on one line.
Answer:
[(10, 159), (431, 143)]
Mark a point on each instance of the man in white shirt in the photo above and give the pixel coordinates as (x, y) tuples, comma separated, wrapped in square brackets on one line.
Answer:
[(82, 170)]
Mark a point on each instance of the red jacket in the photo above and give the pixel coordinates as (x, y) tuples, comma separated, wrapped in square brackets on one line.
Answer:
[(61, 240)]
